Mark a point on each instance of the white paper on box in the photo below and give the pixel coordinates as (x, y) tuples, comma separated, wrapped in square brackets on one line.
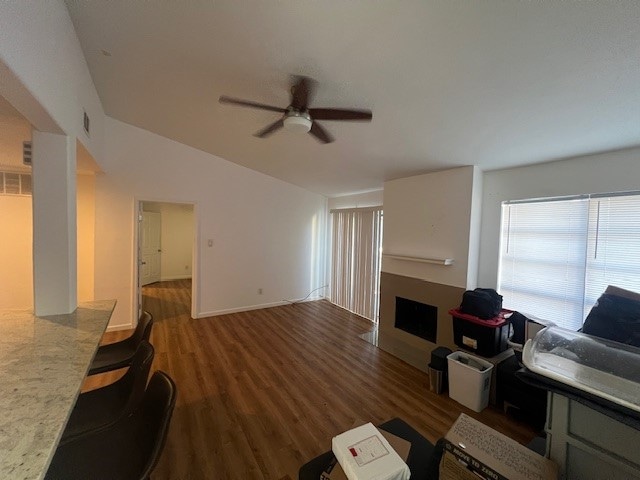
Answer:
[(490, 454), (364, 454)]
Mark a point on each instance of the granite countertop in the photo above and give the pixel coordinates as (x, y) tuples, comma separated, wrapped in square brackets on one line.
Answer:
[(43, 362)]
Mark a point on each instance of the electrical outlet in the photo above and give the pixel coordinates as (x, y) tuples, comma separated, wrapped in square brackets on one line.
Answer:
[(210, 242), (259, 291)]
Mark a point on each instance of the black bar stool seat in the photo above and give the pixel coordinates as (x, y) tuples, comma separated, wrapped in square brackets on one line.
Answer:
[(128, 450), (119, 355), (102, 407)]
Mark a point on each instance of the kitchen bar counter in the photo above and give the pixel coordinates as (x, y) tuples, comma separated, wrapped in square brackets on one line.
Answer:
[(43, 362)]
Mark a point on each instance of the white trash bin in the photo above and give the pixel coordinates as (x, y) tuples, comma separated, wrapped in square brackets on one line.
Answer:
[(469, 380)]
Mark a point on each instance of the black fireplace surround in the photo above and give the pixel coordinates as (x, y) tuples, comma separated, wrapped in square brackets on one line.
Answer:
[(417, 318)]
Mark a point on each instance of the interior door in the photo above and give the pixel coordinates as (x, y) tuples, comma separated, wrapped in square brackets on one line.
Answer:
[(151, 251)]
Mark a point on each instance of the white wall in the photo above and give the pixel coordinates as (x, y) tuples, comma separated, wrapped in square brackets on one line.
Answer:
[(602, 173), (43, 74), (16, 274), (38, 44), (475, 224), (14, 130), (177, 236), (357, 200), (16, 216), (86, 198), (266, 233), (432, 216)]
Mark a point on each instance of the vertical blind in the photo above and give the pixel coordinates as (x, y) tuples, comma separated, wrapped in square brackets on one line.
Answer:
[(355, 262), (557, 256)]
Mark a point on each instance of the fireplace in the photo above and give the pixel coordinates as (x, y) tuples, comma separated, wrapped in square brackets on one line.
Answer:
[(416, 318), (408, 338)]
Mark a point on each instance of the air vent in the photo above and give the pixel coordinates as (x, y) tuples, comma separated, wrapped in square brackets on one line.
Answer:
[(12, 183), (25, 184), (26, 153), (85, 123)]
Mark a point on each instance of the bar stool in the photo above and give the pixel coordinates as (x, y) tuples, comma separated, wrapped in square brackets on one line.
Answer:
[(129, 449), (102, 407), (119, 355)]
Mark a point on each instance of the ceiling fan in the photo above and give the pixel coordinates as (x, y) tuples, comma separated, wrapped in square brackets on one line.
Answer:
[(298, 116)]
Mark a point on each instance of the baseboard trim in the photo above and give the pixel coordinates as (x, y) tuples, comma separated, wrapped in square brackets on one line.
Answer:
[(174, 277), (216, 313), (115, 328)]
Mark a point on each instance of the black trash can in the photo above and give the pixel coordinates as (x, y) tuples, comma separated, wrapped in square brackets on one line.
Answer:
[(438, 370)]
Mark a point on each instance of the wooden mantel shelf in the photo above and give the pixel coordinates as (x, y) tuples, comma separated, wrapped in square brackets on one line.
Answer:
[(434, 261)]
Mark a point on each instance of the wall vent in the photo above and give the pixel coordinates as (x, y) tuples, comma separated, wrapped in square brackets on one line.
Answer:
[(26, 153), (12, 183), (85, 123)]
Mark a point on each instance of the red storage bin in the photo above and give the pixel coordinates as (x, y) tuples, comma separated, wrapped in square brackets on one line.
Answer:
[(487, 338)]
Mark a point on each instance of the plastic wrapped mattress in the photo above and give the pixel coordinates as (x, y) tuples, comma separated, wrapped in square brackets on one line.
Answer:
[(606, 369)]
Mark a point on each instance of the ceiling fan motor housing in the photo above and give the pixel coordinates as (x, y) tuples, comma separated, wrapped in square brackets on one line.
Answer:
[(297, 122)]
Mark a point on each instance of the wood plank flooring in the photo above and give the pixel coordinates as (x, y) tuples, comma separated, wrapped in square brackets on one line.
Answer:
[(262, 392)]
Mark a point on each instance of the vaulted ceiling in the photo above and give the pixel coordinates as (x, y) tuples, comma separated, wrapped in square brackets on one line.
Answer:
[(494, 83)]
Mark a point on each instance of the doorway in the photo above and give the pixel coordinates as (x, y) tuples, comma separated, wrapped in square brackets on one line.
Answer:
[(165, 249)]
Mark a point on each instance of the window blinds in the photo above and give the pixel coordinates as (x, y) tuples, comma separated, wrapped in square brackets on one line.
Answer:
[(557, 256), (613, 246), (542, 259)]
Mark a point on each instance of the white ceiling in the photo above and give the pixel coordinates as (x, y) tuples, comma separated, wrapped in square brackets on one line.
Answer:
[(495, 83)]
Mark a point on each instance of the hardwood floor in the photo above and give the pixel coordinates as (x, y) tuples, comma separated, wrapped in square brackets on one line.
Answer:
[(262, 392)]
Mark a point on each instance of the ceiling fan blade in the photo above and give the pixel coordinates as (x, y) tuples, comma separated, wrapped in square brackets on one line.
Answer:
[(247, 103), (269, 129), (320, 133), (301, 93), (340, 114)]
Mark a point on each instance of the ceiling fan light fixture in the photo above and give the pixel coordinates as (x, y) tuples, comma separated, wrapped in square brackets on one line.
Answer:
[(297, 122)]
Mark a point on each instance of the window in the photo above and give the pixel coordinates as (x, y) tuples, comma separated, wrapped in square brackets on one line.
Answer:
[(557, 256), (356, 248)]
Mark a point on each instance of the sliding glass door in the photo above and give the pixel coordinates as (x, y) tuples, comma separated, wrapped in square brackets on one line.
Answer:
[(356, 249)]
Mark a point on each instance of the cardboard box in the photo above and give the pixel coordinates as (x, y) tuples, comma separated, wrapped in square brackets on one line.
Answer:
[(334, 471), (473, 450)]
